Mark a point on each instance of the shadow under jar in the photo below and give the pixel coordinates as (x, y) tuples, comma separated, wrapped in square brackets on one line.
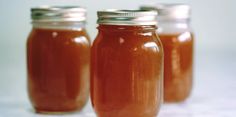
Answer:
[(177, 39), (58, 57), (126, 65)]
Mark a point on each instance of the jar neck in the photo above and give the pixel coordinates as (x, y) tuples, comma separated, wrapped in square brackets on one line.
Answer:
[(175, 26), (59, 25), (126, 28)]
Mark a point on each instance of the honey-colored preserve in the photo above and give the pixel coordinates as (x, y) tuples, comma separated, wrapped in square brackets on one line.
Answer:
[(126, 71), (178, 66), (58, 59), (58, 69), (176, 36)]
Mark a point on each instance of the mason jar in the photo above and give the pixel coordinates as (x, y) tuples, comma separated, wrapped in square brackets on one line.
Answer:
[(58, 59), (178, 42), (126, 64)]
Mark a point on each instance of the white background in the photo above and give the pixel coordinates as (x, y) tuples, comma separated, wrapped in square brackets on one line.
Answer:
[(213, 21)]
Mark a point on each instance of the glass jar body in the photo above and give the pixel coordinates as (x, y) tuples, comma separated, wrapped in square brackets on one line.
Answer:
[(177, 40), (126, 71), (58, 60)]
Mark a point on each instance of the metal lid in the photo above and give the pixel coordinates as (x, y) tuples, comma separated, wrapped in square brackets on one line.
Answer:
[(127, 17), (170, 11), (58, 14)]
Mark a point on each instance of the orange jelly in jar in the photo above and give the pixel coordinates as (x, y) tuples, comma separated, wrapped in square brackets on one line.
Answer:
[(126, 65), (58, 57), (177, 39)]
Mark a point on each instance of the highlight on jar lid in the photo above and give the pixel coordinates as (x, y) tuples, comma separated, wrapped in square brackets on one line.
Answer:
[(170, 11), (127, 17), (58, 14)]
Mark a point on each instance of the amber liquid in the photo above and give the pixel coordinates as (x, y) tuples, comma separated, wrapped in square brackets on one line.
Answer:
[(178, 66), (126, 72), (58, 69)]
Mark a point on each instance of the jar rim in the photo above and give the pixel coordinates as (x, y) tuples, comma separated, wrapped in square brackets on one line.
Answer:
[(127, 17), (170, 11), (58, 14)]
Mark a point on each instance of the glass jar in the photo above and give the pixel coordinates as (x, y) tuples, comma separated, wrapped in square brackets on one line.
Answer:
[(177, 39), (126, 65), (58, 59)]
